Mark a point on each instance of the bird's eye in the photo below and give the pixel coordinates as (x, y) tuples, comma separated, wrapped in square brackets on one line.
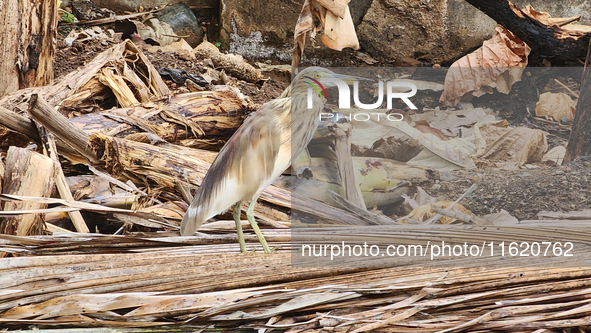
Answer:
[(317, 75)]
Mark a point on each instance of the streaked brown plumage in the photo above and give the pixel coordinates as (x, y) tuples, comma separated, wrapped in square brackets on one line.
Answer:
[(257, 154)]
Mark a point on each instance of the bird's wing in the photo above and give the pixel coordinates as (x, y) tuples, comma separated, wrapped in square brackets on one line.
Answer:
[(247, 162)]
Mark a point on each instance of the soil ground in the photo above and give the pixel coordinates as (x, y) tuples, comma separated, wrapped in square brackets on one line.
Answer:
[(523, 193), (69, 59)]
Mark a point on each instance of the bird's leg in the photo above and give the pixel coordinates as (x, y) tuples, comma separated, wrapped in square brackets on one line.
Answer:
[(239, 227), (254, 225)]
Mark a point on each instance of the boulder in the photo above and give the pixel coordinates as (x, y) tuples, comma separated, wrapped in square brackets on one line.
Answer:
[(183, 22), (397, 30), (259, 29)]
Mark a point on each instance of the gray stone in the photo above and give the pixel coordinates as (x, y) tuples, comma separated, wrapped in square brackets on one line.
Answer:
[(358, 9), (439, 30), (183, 22), (399, 30), (467, 26), (465, 106), (259, 29)]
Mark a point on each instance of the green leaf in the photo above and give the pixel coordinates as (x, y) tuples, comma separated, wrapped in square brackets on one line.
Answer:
[(69, 18), (218, 44)]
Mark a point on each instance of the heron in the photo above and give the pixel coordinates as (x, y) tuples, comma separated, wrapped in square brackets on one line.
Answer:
[(261, 150)]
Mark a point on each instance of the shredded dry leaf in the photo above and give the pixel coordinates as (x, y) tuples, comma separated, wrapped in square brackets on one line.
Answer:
[(546, 18), (332, 19), (556, 106), (497, 64), (425, 212), (513, 148)]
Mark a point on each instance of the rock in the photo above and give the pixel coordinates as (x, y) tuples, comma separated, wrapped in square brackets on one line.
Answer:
[(183, 22), (403, 30), (259, 29), (264, 30), (358, 9)]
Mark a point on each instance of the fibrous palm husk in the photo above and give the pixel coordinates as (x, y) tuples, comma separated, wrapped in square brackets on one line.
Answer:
[(26, 172), (122, 71), (199, 120), (230, 63), (70, 281), (124, 75)]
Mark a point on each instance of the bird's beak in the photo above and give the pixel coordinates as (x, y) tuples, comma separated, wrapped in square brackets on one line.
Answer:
[(349, 79)]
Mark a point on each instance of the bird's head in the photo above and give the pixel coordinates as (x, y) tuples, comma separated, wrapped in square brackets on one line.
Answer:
[(320, 78)]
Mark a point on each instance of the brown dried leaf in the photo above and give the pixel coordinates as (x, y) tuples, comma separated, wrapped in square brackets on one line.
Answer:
[(497, 64), (515, 147), (334, 20), (546, 18), (339, 33), (555, 155), (425, 212), (556, 106), (337, 7), (168, 209), (305, 23)]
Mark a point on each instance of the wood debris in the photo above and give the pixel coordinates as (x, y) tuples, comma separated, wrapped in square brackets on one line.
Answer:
[(135, 153), (154, 281)]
